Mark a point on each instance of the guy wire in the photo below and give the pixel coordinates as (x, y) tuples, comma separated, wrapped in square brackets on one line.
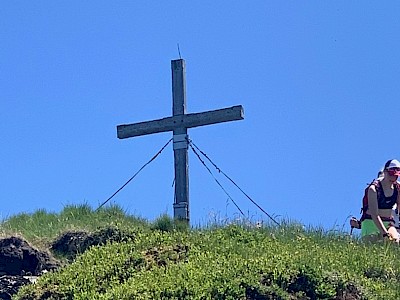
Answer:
[(220, 171), (202, 161), (130, 179)]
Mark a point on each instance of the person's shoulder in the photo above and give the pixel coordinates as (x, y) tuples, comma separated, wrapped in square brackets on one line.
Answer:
[(373, 185)]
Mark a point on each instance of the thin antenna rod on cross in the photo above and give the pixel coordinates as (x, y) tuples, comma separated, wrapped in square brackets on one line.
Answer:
[(179, 52)]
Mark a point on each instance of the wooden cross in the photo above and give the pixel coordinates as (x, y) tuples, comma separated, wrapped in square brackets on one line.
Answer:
[(179, 123)]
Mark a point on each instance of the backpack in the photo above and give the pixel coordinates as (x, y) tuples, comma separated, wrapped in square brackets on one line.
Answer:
[(364, 207), (354, 222)]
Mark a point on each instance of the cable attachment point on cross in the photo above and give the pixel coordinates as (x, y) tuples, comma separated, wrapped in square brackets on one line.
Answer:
[(194, 147)]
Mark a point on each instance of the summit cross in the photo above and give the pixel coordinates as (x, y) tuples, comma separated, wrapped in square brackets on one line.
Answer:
[(179, 124)]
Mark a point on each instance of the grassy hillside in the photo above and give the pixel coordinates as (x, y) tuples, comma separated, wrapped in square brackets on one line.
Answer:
[(163, 260)]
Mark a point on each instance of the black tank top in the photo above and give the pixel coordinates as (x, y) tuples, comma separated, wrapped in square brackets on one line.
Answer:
[(386, 202)]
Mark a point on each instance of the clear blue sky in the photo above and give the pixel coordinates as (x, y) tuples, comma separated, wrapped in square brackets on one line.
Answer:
[(318, 82)]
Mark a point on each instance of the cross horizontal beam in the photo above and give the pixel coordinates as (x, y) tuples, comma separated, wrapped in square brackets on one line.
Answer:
[(181, 121)]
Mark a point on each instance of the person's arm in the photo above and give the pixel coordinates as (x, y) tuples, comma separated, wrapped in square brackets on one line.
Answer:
[(393, 230), (398, 203), (397, 210), (373, 210)]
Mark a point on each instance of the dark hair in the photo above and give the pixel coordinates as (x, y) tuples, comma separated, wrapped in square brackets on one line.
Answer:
[(388, 163)]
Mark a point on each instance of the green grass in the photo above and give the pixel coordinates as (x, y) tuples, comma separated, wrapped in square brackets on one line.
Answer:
[(166, 260), (46, 225)]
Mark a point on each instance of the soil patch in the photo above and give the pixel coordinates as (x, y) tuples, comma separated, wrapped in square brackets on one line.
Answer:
[(18, 259), (9, 285), (72, 243)]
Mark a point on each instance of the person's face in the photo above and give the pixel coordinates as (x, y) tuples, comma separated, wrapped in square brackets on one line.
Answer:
[(393, 174)]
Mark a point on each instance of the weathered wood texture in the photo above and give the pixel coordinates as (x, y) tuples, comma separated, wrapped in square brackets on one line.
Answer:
[(233, 113), (181, 160)]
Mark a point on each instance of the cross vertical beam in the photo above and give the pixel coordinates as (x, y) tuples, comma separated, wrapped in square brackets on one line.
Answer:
[(180, 139)]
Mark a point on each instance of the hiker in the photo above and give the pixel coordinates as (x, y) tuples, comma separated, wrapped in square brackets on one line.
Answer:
[(354, 222), (377, 222)]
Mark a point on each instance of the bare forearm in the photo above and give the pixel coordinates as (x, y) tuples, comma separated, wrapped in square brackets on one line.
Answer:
[(379, 224)]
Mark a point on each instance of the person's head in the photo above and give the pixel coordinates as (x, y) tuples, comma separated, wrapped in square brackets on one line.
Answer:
[(392, 169)]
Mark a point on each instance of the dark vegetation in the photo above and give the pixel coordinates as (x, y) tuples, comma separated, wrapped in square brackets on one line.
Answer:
[(83, 254)]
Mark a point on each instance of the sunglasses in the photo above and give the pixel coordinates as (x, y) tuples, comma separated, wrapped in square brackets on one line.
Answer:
[(393, 171)]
